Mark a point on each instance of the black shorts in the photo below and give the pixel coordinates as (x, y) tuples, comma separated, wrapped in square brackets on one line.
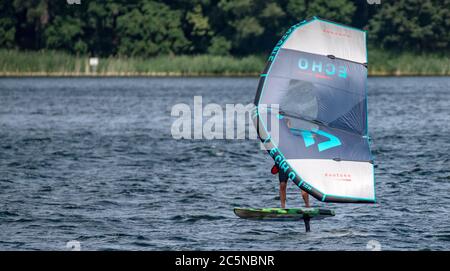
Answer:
[(282, 176)]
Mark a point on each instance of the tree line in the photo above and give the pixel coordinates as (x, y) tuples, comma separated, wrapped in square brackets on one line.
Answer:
[(219, 27)]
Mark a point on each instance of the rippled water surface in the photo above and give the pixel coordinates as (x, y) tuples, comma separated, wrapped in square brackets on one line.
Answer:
[(93, 160)]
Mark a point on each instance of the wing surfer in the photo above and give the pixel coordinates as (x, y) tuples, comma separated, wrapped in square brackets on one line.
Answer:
[(283, 177)]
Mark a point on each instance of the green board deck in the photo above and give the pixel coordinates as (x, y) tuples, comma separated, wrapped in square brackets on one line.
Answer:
[(280, 214)]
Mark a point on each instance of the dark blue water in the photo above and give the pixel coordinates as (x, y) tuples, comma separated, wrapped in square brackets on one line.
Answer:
[(93, 160)]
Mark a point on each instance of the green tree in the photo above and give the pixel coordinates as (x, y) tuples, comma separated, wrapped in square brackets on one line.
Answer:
[(219, 46), (101, 22), (242, 27), (33, 16), (336, 10), (7, 25), (66, 33), (150, 29), (409, 24), (296, 9), (220, 27), (199, 29), (363, 13), (253, 26)]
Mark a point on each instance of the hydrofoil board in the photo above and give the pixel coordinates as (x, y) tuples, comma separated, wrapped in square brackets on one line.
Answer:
[(280, 214)]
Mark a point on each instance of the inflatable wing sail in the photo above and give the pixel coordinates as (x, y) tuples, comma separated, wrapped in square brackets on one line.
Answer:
[(311, 111)]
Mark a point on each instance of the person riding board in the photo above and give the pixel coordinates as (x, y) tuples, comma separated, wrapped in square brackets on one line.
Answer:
[(283, 178)]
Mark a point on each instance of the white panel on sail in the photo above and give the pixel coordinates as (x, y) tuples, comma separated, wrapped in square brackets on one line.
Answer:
[(337, 178), (325, 38)]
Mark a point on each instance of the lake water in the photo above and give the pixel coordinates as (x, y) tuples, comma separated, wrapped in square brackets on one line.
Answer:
[(93, 160)]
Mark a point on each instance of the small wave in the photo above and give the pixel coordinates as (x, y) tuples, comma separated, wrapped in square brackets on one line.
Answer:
[(196, 218), (34, 140), (105, 203), (142, 244), (4, 214)]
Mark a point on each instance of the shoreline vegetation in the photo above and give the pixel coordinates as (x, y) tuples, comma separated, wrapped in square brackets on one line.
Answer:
[(14, 63)]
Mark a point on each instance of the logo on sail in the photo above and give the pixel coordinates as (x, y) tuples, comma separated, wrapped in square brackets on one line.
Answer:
[(308, 138), (324, 70)]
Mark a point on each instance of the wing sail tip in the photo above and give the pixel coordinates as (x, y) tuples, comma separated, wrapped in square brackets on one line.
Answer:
[(344, 199)]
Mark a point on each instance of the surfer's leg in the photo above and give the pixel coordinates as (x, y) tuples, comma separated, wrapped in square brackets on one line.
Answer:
[(305, 197), (283, 186)]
